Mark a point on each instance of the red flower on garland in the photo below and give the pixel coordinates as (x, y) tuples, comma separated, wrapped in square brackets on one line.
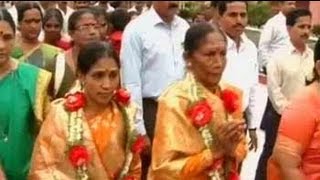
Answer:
[(122, 96), (201, 113), (230, 100), (234, 176), (129, 178), (74, 101), (217, 164), (139, 145), (78, 156)]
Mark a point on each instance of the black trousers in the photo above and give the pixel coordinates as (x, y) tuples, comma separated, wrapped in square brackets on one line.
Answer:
[(150, 107), (270, 124)]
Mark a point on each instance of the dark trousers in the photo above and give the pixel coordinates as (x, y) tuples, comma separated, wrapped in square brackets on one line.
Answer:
[(270, 124), (150, 107)]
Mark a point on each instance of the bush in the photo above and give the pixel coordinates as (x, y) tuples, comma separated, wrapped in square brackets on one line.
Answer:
[(259, 14), (190, 10), (316, 30)]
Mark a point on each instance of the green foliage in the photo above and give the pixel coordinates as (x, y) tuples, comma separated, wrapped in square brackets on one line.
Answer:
[(190, 10), (316, 30), (259, 13)]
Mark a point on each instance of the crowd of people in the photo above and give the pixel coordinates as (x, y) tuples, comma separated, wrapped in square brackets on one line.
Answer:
[(100, 91)]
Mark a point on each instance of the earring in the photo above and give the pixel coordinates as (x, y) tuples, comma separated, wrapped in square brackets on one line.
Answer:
[(189, 64), (82, 85)]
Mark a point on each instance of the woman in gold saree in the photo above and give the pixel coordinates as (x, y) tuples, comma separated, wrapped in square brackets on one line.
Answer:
[(199, 129), (90, 133)]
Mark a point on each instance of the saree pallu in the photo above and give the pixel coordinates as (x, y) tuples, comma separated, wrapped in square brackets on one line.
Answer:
[(299, 136), (104, 137), (23, 105), (178, 150), (42, 56)]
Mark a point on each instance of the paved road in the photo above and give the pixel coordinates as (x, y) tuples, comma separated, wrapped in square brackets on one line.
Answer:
[(255, 35)]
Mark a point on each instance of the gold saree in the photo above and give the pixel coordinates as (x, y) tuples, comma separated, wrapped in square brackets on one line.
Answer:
[(178, 150), (104, 136)]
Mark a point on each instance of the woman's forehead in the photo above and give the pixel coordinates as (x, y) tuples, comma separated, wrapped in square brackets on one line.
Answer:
[(5, 27), (87, 18)]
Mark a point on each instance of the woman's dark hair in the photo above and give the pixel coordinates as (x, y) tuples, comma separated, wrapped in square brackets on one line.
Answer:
[(294, 15), (116, 4), (197, 33), (5, 16), (24, 6), (100, 11), (76, 16), (53, 13), (119, 19), (92, 52), (316, 58)]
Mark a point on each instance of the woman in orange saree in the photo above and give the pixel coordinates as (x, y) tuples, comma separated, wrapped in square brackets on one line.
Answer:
[(199, 132), (296, 154), (91, 132)]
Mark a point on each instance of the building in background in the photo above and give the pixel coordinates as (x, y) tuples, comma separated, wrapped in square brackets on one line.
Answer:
[(314, 7)]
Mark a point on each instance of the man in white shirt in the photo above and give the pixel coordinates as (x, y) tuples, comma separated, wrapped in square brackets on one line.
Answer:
[(151, 59), (66, 11), (242, 66), (274, 35), (13, 12), (287, 73)]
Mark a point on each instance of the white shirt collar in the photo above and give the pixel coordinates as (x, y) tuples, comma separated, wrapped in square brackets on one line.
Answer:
[(293, 50), (156, 19), (232, 44), (281, 15)]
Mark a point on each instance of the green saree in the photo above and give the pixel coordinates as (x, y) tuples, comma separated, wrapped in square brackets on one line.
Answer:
[(23, 104), (42, 56)]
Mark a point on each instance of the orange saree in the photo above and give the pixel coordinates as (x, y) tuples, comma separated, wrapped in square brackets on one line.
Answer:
[(298, 142), (104, 136)]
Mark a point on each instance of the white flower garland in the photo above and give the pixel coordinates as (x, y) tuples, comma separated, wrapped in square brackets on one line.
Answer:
[(130, 139), (204, 131), (75, 136)]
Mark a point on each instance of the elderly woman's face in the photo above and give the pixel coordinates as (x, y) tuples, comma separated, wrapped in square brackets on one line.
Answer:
[(209, 60), (87, 30)]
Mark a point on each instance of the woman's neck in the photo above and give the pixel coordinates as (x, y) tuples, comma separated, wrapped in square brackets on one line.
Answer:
[(210, 87), (92, 109), (28, 45), (213, 89), (50, 40), (30, 41), (7, 67)]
